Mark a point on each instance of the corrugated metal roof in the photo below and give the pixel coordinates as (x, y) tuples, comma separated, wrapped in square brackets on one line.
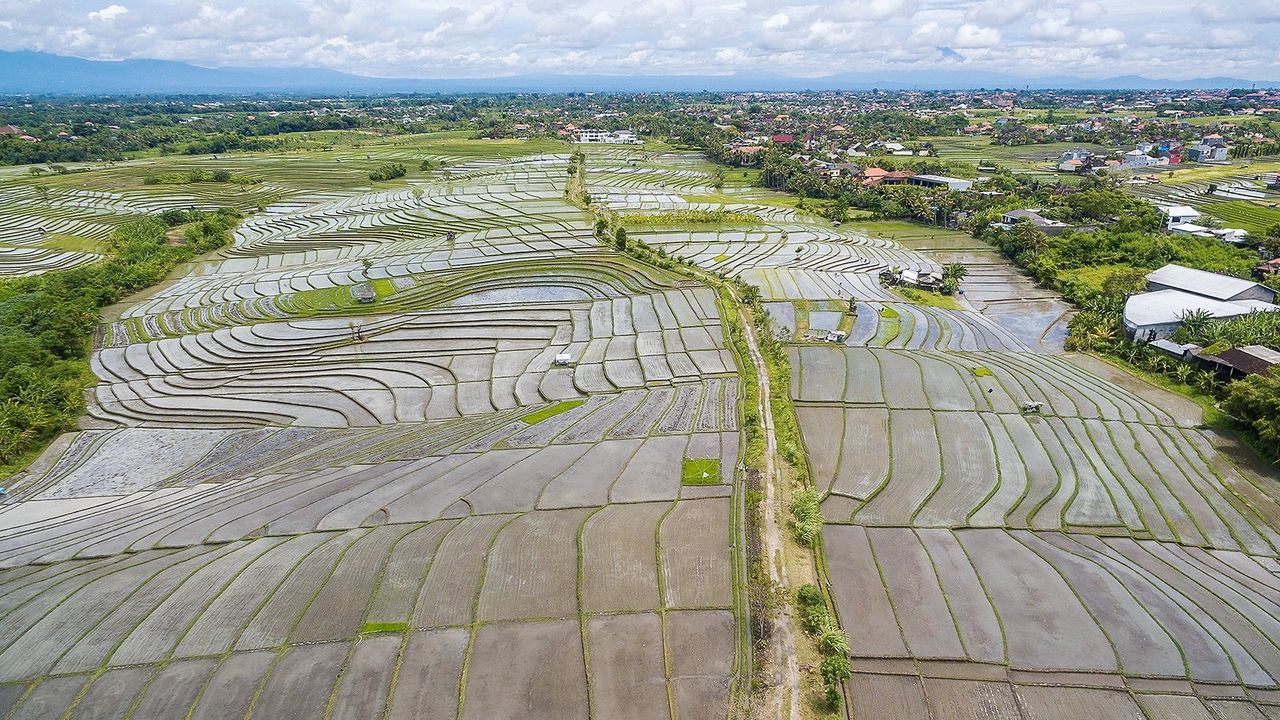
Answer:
[(1169, 306), (1251, 359), (1211, 285)]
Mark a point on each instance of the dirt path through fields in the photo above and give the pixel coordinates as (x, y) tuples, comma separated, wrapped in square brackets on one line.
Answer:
[(782, 698)]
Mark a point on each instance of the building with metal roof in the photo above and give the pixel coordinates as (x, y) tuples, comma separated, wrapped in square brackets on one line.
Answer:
[(1207, 284), (1158, 315)]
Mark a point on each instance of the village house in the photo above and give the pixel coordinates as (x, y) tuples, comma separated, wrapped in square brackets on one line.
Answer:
[(1049, 227), (1179, 215), (949, 183)]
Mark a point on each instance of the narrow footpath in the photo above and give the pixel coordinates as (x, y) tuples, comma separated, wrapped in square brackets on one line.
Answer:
[(781, 699)]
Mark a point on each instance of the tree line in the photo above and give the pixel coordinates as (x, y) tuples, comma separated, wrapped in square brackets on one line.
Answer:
[(47, 321)]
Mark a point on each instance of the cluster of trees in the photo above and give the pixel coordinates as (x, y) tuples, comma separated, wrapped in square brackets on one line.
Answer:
[(46, 321), (1255, 401), (1257, 328), (107, 133), (221, 175), (693, 217), (388, 171), (779, 171)]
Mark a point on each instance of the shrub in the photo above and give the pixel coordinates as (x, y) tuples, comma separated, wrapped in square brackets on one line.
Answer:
[(1255, 400), (389, 171), (807, 515)]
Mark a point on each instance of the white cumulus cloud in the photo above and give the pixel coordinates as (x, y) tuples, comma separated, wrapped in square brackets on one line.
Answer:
[(975, 36), (108, 13)]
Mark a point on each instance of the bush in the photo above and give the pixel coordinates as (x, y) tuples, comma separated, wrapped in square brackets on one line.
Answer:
[(389, 171), (807, 515), (1255, 401), (832, 642)]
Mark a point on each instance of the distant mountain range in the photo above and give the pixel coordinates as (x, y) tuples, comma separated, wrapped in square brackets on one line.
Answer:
[(43, 73)]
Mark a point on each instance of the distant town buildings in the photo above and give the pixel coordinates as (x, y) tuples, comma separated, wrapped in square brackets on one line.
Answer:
[(606, 137)]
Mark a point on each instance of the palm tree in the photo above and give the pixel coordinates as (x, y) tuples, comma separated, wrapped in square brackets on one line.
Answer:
[(955, 271), (1195, 323)]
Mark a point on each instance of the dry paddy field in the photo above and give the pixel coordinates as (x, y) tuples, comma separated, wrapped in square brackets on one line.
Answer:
[(1101, 559), (285, 503)]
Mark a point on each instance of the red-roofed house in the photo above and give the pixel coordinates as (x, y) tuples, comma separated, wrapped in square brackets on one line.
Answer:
[(10, 130), (783, 138)]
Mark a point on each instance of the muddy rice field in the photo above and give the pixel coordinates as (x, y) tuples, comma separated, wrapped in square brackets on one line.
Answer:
[(285, 503), (1101, 558)]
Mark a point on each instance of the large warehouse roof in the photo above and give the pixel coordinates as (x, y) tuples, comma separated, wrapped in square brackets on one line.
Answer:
[(1212, 285), (1169, 306)]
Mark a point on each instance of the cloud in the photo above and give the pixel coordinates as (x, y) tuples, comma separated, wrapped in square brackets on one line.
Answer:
[(930, 33), (975, 36), (776, 22), (731, 56), (108, 13), (998, 12), (1266, 11), (448, 38)]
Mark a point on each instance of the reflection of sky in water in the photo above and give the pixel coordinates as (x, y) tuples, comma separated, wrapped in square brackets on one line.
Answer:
[(502, 296)]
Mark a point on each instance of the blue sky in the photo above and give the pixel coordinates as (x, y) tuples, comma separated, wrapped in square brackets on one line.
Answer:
[(1178, 39)]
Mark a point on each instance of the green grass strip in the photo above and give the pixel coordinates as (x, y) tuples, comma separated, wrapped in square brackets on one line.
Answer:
[(549, 412), (373, 628), (700, 472)]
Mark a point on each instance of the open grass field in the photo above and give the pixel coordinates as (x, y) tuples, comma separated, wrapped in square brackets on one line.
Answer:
[(1039, 159), (284, 502)]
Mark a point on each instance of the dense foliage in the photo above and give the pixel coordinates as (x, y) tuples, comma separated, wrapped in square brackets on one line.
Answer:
[(1256, 328), (832, 642), (46, 321), (692, 217), (389, 171), (1255, 401)]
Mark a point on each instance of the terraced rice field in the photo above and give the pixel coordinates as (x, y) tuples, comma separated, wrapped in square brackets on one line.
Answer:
[(1239, 199), (286, 503), (1102, 558)]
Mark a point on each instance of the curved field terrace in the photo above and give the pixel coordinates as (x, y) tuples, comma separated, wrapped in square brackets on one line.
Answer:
[(340, 469), (286, 501), (1104, 557)]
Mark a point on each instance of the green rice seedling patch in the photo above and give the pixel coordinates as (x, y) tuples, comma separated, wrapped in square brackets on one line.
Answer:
[(549, 412), (981, 371), (930, 299), (705, 471), (71, 243), (374, 628), (889, 328)]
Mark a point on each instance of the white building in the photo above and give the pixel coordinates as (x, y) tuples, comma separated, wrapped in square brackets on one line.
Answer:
[(605, 137), (1180, 214), (1177, 291), (1207, 284)]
